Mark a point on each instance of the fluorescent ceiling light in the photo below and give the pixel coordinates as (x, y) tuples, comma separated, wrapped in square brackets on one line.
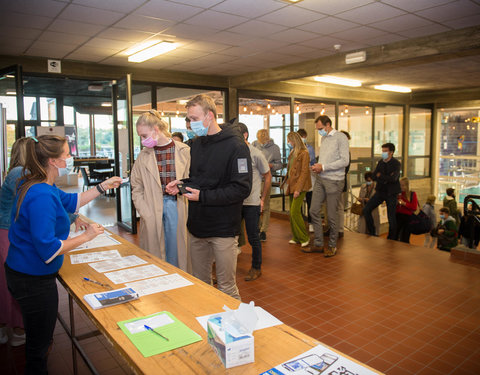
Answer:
[(106, 104), (141, 46), (10, 92), (148, 53), (338, 81), (393, 88), (292, 1)]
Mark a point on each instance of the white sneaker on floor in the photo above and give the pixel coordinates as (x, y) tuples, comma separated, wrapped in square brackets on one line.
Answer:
[(3, 335), (17, 340), (310, 228), (293, 242), (305, 244)]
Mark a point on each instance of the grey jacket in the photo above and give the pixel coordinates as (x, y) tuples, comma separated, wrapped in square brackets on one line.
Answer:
[(430, 212), (272, 153)]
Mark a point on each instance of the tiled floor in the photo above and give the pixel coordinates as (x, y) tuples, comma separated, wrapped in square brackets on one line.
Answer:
[(402, 309)]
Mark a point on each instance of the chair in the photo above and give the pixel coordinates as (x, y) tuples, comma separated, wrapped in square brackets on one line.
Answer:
[(87, 182)]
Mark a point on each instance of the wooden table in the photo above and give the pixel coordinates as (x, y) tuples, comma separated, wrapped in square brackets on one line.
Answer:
[(273, 345)]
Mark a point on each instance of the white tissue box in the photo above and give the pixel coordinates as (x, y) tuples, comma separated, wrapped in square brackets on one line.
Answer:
[(233, 350)]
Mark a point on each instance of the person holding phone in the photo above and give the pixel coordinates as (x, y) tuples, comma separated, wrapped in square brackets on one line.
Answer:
[(38, 238), (163, 217)]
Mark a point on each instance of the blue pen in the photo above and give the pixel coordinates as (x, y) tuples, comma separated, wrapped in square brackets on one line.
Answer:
[(152, 330), (96, 282)]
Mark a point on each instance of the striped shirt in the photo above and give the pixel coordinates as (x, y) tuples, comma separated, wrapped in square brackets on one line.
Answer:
[(165, 156)]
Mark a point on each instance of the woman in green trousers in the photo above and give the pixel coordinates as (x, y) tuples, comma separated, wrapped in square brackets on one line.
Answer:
[(297, 183)]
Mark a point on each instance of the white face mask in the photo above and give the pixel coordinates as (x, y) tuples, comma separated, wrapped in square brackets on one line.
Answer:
[(68, 168)]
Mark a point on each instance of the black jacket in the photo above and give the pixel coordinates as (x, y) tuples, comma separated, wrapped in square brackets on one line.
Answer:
[(388, 181), (221, 168)]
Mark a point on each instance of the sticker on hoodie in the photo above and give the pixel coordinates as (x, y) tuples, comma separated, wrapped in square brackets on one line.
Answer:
[(242, 165)]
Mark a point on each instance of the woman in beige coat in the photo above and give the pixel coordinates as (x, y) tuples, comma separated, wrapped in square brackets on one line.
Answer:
[(163, 217)]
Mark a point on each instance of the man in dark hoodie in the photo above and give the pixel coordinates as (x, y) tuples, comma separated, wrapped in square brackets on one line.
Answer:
[(220, 179)]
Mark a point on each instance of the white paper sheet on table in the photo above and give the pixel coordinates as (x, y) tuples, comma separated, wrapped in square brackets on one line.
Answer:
[(94, 257), (117, 264), (159, 284), (265, 319), (319, 360), (135, 273), (102, 240)]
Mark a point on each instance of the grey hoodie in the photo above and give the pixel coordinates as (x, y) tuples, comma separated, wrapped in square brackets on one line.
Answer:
[(272, 153)]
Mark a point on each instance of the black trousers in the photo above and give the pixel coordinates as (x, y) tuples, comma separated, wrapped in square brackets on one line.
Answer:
[(38, 300), (403, 233), (374, 202), (251, 214)]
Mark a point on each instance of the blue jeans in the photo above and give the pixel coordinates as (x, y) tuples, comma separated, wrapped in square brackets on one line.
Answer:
[(251, 214), (38, 300), (374, 202), (170, 220)]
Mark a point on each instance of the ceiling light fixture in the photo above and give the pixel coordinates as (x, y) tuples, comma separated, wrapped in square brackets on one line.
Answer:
[(153, 51), (106, 104), (291, 1), (269, 106), (10, 92), (338, 81), (244, 109), (393, 88)]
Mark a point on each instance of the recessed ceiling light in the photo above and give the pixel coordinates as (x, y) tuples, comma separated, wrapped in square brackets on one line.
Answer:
[(338, 81), (291, 1), (393, 88), (155, 50)]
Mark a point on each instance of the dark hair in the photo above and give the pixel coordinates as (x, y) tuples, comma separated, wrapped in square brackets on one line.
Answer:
[(368, 175), (450, 191), (302, 133), (178, 135), (242, 128), (187, 119), (347, 134), (39, 150), (445, 209), (390, 146), (324, 119)]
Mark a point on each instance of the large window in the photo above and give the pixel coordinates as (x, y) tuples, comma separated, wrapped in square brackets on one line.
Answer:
[(266, 113), (388, 128), (459, 163), (419, 142), (357, 121)]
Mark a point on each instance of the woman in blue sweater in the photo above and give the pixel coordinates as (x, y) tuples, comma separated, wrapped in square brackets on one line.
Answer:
[(38, 238)]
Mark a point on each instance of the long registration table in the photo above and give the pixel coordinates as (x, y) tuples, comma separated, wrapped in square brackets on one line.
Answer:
[(273, 345)]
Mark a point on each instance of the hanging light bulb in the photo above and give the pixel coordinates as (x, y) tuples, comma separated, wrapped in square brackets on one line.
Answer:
[(273, 111), (298, 108), (299, 112), (178, 112), (346, 110), (245, 109), (341, 113), (367, 112), (163, 113), (322, 112), (269, 106), (251, 112)]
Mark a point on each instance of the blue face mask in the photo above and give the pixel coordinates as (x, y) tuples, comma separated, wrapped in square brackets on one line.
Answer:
[(442, 217), (190, 134), (384, 155), (368, 182), (198, 128), (322, 132), (290, 147)]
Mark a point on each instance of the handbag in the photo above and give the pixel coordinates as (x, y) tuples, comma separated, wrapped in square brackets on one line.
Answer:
[(419, 223), (357, 208)]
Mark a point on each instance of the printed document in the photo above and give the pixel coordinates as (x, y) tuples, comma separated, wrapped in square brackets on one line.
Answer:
[(135, 273), (94, 257), (117, 264), (159, 284)]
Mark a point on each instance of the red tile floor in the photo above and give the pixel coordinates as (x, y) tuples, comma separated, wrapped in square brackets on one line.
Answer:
[(402, 309)]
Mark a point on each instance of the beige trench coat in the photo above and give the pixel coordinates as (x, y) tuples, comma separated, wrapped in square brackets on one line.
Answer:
[(148, 199)]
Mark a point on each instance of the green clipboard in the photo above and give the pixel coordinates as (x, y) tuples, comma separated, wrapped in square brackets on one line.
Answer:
[(149, 343)]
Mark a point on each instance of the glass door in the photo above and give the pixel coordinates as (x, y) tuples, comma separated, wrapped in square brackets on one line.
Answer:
[(12, 117), (123, 145)]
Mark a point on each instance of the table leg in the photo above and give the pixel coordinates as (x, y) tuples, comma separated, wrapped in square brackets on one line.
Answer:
[(72, 332)]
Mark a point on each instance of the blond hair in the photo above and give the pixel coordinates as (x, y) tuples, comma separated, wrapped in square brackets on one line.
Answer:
[(18, 154), (205, 102), (298, 144), (262, 136), (431, 199), (153, 119), (407, 183)]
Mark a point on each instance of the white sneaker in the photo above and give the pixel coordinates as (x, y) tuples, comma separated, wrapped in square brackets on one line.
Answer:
[(3, 335), (305, 244), (310, 228), (293, 242), (17, 340)]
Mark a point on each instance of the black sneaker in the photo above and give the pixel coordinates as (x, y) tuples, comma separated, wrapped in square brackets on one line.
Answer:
[(263, 236)]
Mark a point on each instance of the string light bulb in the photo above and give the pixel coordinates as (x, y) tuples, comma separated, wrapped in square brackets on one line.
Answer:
[(298, 108), (269, 106), (245, 109)]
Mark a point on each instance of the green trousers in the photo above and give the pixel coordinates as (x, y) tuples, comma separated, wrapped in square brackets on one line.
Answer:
[(299, 231)]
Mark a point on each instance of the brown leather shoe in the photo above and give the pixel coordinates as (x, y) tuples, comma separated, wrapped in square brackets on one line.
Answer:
[(330, 251), (313, 249), (253, 274)]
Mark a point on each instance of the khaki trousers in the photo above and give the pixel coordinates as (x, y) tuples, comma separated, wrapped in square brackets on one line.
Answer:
[(265, 218), (204, 251)]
